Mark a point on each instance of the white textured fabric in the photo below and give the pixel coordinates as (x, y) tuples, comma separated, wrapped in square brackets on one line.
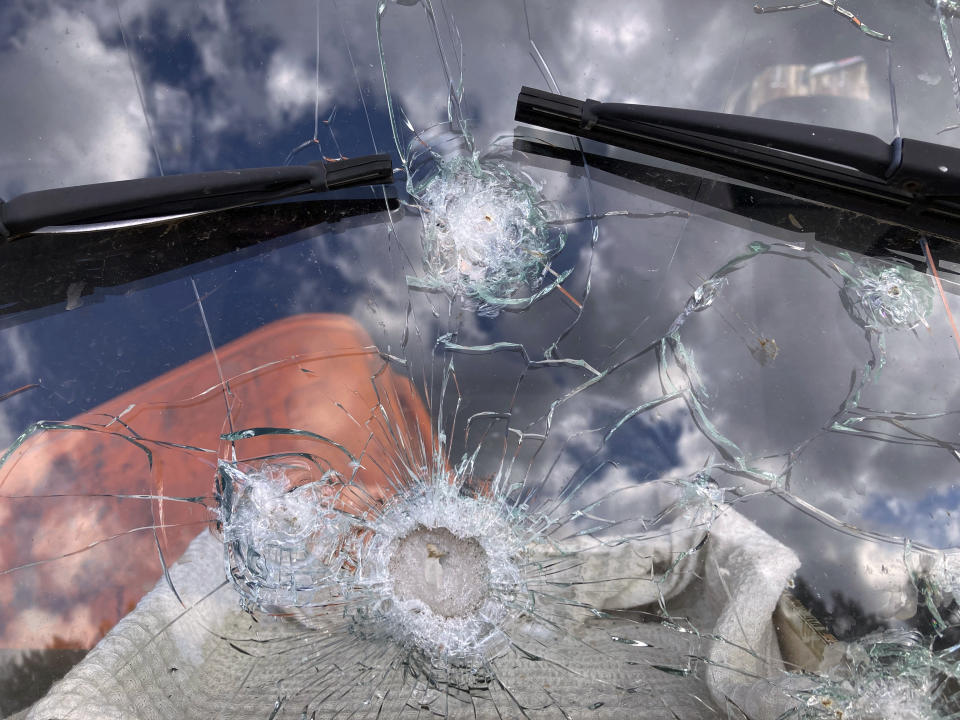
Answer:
[(745, 573), (165, 661)]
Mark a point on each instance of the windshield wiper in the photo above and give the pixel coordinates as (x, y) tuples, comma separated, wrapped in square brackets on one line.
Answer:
[(907, 182), (40, 274), (184, 194), (744, 206)]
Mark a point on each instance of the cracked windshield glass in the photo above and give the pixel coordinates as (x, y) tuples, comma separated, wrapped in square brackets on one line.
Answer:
[(480, 411)]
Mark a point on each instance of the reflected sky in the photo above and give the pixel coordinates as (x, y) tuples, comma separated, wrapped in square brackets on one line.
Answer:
[(836, 437)]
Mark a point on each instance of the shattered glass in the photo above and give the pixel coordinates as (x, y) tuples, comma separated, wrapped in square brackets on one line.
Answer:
[(487, 233), (547, 429)]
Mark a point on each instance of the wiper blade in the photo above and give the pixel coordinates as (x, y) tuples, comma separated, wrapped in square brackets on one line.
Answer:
[(907, 182), (102, 262), (183, 194)]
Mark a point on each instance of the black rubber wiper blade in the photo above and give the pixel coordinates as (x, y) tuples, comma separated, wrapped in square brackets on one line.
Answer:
[(185, 194), (41, 268), (907, 182)]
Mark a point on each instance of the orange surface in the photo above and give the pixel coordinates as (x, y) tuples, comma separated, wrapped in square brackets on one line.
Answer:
[(75, 557)]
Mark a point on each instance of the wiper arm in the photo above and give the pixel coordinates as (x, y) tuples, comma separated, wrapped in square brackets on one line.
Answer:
[(181, 194), (907, 182)]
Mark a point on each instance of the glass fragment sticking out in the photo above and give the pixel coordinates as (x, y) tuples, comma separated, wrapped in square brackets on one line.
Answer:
[(889, 674)]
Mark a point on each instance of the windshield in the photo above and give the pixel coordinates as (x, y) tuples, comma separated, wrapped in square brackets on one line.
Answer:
[(546, 428)]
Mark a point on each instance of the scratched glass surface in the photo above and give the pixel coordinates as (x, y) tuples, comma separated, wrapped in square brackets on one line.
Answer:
[(518, 437)]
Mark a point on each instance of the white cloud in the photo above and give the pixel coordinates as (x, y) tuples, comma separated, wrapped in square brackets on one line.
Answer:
[(77, 118), (292, 87)]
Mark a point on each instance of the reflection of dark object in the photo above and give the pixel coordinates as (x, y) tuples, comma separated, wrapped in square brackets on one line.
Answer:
[(741, 206), (908, 182), (178, 194), (944, 627), (845, 619), (47, 269), (27, 679)]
